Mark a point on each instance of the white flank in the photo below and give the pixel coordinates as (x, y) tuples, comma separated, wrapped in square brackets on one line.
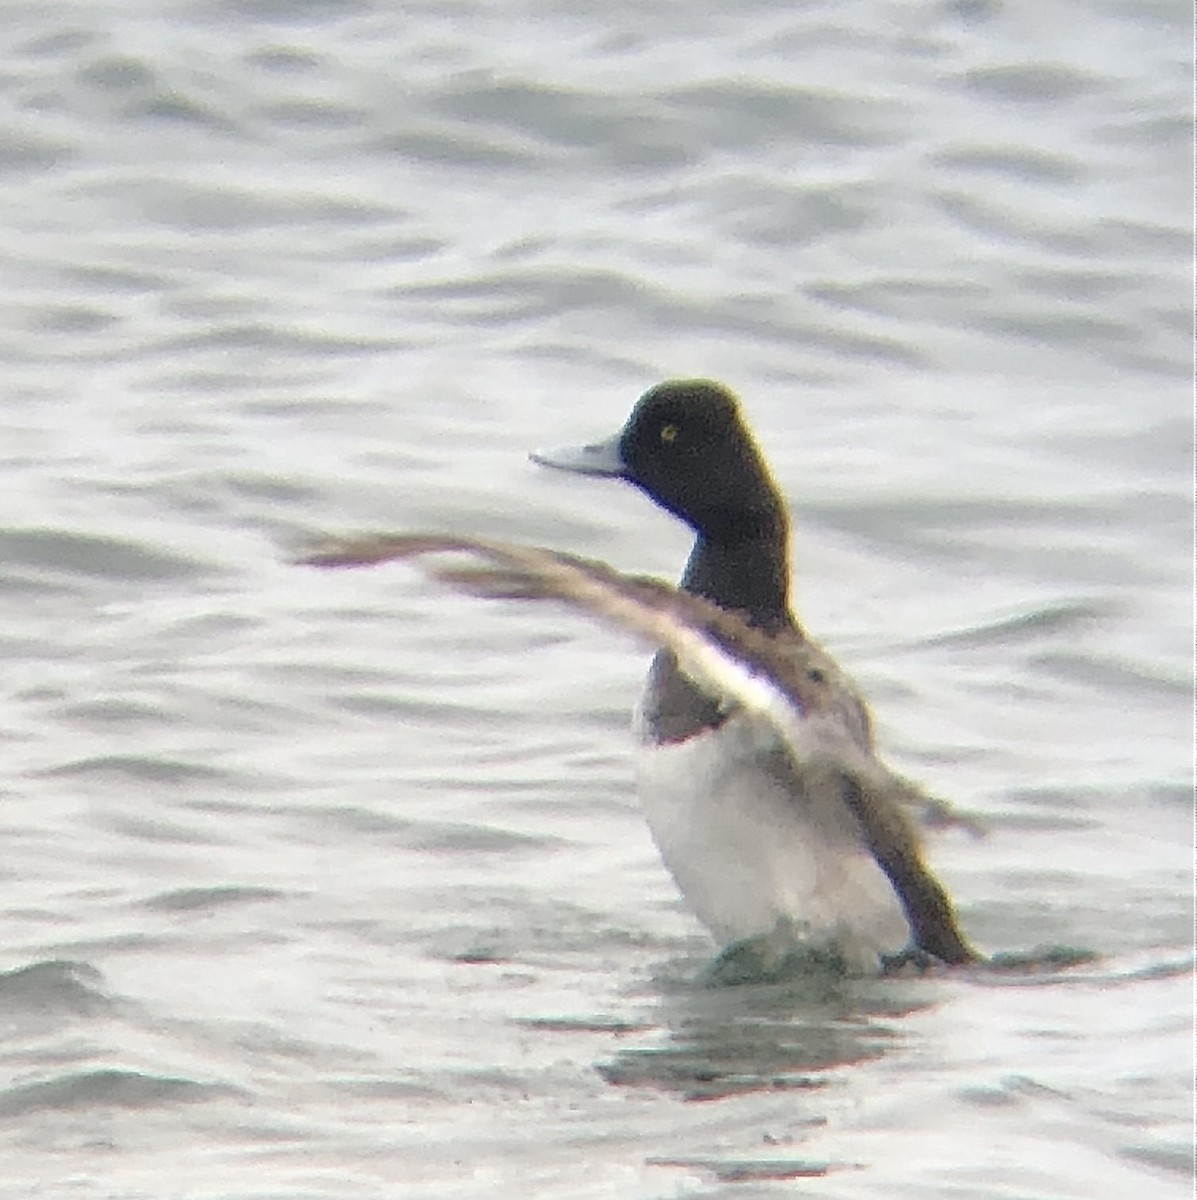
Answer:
[(755, 856)]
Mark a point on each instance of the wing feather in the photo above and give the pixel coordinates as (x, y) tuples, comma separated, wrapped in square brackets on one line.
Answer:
[(791, 688)]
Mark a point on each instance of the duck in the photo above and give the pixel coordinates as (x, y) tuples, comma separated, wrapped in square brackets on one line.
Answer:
[(763, 841), (756, 763)]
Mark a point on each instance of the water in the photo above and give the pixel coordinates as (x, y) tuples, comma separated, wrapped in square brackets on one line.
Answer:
[(334, 885)]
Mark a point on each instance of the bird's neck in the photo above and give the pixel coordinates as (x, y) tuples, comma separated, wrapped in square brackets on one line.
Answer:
[(746, 568)]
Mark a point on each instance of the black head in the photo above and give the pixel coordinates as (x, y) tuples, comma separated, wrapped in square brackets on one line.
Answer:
[(687, 446)]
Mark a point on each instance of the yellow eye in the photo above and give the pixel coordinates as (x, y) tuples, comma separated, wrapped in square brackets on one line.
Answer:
[(669, 434)]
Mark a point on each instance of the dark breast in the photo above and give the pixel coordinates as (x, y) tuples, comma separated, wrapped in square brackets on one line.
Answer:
[(674, 709)]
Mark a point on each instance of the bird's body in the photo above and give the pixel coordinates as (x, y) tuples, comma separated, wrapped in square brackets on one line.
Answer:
[(760, 848)]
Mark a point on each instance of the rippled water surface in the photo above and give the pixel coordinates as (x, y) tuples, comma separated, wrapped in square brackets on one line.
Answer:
[(335, 885)]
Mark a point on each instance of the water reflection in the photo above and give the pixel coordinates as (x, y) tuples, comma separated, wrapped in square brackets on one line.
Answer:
[(714, 1042)]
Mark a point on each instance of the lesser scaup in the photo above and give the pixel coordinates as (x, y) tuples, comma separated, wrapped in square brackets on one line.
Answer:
[(757, 770), (762, 837)]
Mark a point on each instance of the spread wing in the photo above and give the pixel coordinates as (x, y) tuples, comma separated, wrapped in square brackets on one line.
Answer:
[(793, 688)]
